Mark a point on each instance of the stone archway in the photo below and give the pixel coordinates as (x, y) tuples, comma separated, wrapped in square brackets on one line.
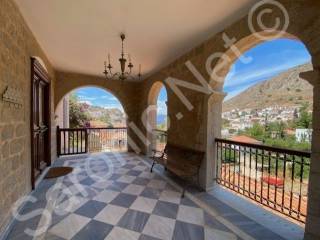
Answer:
[(62, 108), (221, 69), (125, 92), (214, 111), (150, 119), (58, 100)]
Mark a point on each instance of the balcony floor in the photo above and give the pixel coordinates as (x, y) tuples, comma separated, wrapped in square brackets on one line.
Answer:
[(114, 196)]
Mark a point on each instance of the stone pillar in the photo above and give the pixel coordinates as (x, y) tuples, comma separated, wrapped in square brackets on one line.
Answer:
[(66, 120), (213, 130), (312, 229)]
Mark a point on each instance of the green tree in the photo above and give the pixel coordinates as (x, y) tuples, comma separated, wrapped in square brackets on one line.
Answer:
[(78, 117), (106, 119), (256, 131), (278, 127), (163, 126), (225, 123), (305, 118)]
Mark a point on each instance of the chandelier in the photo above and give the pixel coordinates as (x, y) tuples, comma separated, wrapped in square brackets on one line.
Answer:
[(123, 74)]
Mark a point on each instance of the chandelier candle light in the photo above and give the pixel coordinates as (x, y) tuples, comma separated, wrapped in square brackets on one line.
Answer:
[(123, 74)]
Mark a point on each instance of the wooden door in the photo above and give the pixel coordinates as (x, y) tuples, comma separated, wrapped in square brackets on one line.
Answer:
[(40, 121)]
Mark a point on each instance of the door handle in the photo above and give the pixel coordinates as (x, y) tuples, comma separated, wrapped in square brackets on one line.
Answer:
[(43, 129)]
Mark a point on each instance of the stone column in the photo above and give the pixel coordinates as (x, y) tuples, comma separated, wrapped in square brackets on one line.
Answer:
[(312, 229), (66, 115), (213, 130)]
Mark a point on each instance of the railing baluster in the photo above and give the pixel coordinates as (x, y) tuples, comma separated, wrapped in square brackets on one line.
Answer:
[(86, 143), (284, 177), (269, 169), (300, 187), (234, 164), (244, 169), (229, 161), (250, 158), (64, 142), (224, 164), (256, 176), (276, 186), (81, 135), (77, 141), (239, 170), (262, 170), (292, 183)]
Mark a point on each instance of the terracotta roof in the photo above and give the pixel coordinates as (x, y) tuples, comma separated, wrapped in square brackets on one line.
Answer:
[(245, 139), (290, 132)]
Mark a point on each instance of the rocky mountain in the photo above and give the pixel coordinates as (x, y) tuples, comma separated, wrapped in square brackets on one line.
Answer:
[(286, 89), (106, 116)]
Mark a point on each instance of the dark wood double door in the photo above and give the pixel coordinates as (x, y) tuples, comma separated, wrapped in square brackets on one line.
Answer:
[(40, 121)]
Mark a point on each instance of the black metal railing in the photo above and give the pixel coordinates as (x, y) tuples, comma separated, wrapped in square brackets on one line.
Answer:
[(274, 177), (159, 139), (83, 140)]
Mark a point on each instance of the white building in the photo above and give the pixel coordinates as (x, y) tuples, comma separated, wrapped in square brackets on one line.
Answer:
[(303, 134)]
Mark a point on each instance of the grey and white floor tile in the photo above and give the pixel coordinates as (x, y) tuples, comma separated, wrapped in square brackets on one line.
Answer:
[(128, 203)]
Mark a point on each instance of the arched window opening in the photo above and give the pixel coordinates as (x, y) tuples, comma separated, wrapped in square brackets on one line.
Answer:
[(160, 132), (91, 119), (267, 126)]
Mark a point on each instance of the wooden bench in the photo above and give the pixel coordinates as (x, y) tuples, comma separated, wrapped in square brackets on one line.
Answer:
[(183, 162)]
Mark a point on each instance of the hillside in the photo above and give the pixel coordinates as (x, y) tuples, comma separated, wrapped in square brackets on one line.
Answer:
[(104, 117), (286, 89)]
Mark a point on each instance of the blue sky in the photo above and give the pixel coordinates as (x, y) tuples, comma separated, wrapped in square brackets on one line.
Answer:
[(268, 59), (161, 102), (98, 97)]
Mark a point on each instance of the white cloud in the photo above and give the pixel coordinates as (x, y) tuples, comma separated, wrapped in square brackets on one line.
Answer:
[(82, 97), (161, 107), (111, 106), (110, 98), (86, 102)]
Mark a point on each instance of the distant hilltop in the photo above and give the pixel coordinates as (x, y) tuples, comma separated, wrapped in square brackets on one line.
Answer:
[(285, 90)]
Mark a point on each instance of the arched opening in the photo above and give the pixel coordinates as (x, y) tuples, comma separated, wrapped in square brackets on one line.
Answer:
[(263, 126), (157, 117), (91, 119), (160, 132)]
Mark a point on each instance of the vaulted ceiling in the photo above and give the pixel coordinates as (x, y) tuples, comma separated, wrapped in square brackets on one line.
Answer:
[(76, 35)]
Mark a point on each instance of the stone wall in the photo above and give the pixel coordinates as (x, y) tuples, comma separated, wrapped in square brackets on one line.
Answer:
[(17, 45)]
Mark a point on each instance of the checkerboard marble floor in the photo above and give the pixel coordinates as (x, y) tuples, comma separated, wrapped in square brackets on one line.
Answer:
[(113, 196)]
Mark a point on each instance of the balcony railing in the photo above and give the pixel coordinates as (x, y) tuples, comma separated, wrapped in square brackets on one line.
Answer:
[(159, 139), (274, 177), (83, 140)]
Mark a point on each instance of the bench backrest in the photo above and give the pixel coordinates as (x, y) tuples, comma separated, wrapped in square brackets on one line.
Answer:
[(183, 159)]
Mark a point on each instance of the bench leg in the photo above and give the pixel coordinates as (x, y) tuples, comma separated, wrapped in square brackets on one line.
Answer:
[(154, 162), (183, 191)]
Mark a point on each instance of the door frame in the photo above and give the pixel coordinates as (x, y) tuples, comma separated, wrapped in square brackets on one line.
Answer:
[(39, 71)]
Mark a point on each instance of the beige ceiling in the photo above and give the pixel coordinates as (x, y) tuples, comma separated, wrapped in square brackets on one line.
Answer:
[(76, 35)]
